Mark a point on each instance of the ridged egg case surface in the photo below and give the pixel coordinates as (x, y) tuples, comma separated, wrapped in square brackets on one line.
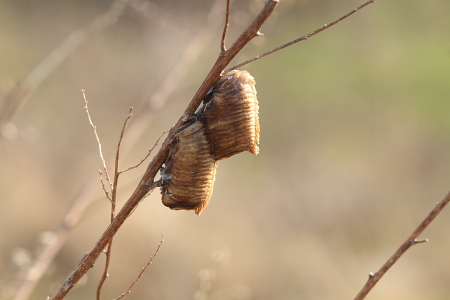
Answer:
[(231, 116), (190, 169)]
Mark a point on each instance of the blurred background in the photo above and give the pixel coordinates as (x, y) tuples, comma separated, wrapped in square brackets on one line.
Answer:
[(355, 148)]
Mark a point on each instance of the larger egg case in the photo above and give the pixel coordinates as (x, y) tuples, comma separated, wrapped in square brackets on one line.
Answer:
[(231, 115)]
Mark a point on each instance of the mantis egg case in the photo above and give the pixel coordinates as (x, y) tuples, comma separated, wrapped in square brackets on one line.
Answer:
[(231, 116)]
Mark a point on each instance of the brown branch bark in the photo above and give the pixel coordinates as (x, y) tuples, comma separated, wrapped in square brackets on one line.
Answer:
[(147, 182), (410, 241)]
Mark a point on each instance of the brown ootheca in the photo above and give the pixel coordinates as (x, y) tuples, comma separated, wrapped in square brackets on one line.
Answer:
[(231, 115), (190, 169)]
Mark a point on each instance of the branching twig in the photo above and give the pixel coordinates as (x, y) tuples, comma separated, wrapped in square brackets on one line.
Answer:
[(410, 241), (143, 269), (98, 140), (146, 184), (113, 205), (225, 28), (305, 37)]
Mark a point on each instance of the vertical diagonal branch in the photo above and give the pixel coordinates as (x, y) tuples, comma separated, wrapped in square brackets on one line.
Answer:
[(98, 141), (225, 27), (113, 205), (410, 241)]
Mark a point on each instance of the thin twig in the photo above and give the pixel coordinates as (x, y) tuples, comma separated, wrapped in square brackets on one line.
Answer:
[(147, 182), (113, 205), (136, 129), (116, 164), (305, 37), (98, 140), (105, 274), (148, 154), (143, 269), (410, 241), (225, 28), (20, 94)]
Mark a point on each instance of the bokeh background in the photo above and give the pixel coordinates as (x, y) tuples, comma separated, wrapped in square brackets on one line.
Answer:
[(355, 151)]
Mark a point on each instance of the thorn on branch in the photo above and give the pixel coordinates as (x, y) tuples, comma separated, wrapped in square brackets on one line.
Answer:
[(415, 241)]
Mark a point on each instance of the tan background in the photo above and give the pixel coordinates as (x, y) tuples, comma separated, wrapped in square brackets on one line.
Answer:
[(355, 150)]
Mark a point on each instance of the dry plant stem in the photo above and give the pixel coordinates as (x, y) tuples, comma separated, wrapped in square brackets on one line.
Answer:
[(105, 274), (98, 140), (147, 183), (143, 269), (305, 37), (21, 93), (113, 205), (136, 129), (225, 28), (116, 164), (410, 241)]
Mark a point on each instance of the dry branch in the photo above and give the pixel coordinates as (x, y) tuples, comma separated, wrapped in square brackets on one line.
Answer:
[(147, 182), (225, 27), (113, 202), (410, 241)]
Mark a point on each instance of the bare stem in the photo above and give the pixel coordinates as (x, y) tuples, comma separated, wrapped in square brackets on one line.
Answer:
[(410, 241), (116, 164), (113, 205), (143, 269), (225, 28), (303, 38)]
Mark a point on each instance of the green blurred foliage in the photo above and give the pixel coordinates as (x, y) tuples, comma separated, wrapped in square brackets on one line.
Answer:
[(355, 149)]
